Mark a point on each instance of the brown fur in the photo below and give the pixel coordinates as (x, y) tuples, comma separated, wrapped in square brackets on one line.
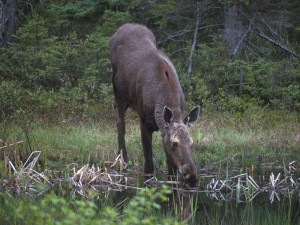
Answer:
[(146, 80)]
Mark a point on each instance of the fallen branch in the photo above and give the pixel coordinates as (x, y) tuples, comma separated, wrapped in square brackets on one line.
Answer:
[(9, 145), (280, 45)]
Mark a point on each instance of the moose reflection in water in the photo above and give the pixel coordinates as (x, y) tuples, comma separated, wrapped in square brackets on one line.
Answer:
[(146, 80)]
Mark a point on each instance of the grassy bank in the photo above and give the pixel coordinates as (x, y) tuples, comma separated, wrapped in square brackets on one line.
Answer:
[(271, 136), (257, 133)]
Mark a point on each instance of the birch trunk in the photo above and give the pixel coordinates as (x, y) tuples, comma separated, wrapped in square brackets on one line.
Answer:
[(190, 66)]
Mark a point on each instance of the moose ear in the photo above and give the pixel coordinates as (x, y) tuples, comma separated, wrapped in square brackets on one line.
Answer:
[(167, 116), (192, 117)]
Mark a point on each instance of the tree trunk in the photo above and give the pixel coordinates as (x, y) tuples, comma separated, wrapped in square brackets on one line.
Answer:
[(2, 21), (233, 32), (241, 81), (189, 73), (11, 20)]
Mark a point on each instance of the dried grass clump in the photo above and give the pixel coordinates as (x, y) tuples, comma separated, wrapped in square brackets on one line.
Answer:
[(245, 187), (107, 178), (27, 179), (116, 177)]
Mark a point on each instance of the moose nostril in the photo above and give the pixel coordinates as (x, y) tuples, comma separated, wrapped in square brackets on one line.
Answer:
[(191, 182), (189, 174)]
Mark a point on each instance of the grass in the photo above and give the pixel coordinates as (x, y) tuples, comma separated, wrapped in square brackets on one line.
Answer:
[(256, 133), (253, 138)]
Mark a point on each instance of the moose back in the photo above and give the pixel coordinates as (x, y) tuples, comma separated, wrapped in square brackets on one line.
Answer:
[(145, 79)]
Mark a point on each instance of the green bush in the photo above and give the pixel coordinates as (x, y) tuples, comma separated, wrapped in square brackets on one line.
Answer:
[(12, 98), (52, 209)]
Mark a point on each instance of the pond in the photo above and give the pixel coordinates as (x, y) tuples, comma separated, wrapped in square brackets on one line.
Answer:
[(269, 195)]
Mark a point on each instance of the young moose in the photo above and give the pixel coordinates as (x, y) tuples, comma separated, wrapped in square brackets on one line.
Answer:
[(146, 80)]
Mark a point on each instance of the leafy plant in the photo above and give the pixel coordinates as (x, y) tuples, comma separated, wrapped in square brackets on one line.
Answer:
[(52, 209)]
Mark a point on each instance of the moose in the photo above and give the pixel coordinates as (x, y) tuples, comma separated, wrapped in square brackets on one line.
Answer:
[(144, 79)]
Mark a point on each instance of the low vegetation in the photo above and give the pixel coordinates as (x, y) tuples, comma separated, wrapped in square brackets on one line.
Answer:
[(144, 208)]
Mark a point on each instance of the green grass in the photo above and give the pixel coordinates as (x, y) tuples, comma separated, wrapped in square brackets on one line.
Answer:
[(68, 143), (270, 135), (256, 133)]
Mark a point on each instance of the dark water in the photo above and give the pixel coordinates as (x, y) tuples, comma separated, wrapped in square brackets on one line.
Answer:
[(258, 211)]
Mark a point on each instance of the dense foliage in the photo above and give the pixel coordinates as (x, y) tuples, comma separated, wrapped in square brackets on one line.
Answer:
[(53, 209), (54, 61)]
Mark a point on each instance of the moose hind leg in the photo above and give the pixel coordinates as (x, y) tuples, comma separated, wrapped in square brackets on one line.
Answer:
[(121, 109)]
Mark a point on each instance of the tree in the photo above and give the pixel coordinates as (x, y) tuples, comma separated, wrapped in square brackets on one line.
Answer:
[(8, 20)]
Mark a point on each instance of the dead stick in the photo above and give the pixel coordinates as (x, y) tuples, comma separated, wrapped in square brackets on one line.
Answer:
[(279, 45)]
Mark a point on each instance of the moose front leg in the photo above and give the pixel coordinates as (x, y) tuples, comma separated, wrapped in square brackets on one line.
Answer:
[(146, 134), (172, 169)]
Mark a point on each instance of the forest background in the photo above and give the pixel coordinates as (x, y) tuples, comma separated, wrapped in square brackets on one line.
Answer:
[(229, 54), (237, 59)]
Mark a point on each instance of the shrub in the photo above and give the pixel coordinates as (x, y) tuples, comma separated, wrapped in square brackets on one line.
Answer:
[(52, 209)]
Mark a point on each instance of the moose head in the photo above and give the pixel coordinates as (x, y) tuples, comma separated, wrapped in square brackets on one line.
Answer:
[(177, 144)]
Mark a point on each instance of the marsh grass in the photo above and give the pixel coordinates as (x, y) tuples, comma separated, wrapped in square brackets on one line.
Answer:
[(257, 212), (240, 138), (258, 133)]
